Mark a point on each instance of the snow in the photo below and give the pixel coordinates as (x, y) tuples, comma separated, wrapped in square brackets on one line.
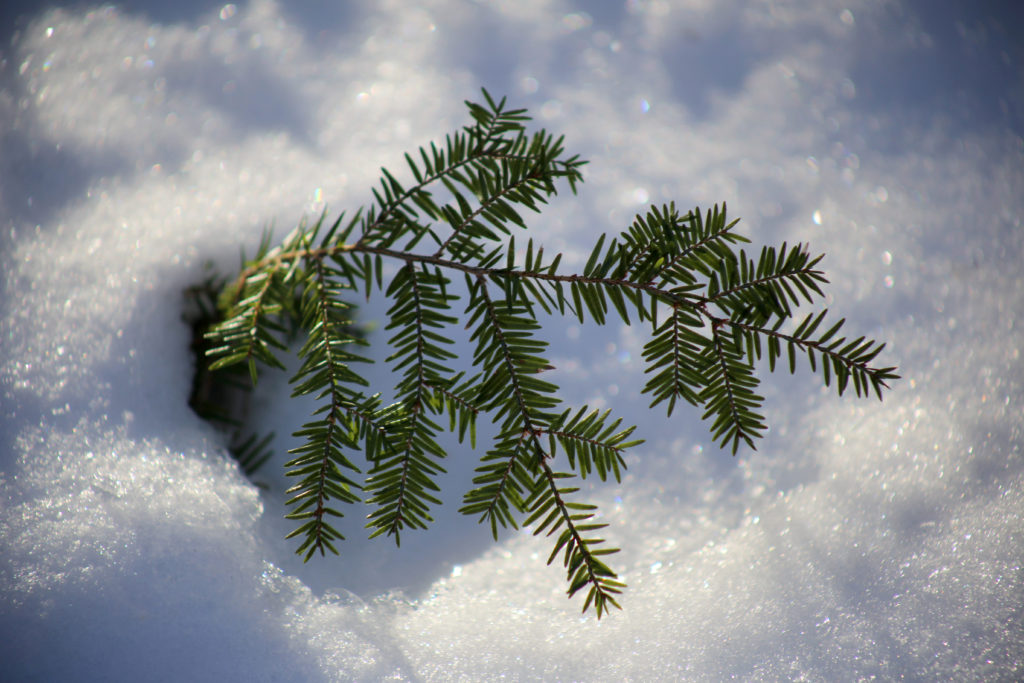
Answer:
[(861, 540)]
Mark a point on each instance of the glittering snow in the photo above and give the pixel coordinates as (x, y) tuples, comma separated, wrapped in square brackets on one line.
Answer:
[(862, 540)]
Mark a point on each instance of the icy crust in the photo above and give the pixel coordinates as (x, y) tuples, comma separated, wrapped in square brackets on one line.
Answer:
[(94, 498), (901, 558), (128, 560)]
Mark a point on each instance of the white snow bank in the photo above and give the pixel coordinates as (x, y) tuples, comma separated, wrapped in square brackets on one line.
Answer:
[(862, 539)]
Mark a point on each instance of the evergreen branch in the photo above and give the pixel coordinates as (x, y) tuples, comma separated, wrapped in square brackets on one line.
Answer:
[(850, 361), (249, 330), (723, 308), (320, 460), (675, 349), (503, 351), (582, 563), (670, 296), (401, 483), (706, 238), (728, 396), (501, 484), (454, 399), (587, 437), (476, 148), (688, 302), (489, 202), (766, 288), (434, 172), (667, 246)]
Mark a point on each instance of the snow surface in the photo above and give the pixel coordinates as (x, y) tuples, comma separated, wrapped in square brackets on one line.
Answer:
[(862, 540)]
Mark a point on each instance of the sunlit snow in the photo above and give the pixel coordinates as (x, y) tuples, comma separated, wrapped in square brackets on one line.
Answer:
[(142, 146)]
